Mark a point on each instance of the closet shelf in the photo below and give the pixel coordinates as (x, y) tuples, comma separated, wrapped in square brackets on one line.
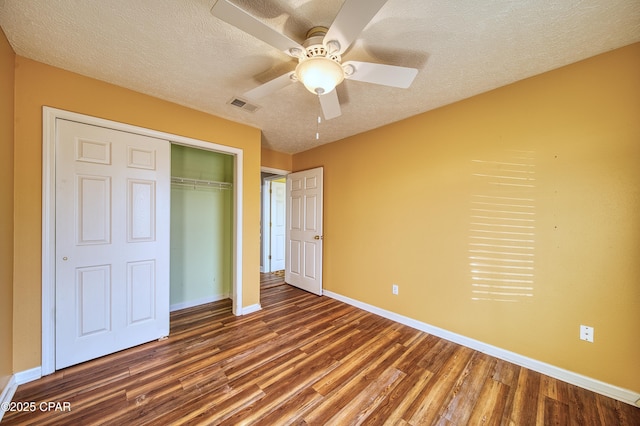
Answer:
[(201, 183)]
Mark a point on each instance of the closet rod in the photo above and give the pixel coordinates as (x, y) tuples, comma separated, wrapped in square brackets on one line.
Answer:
[(199, 182)]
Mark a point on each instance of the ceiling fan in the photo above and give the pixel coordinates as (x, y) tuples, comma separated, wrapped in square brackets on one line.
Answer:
[(320, 67)]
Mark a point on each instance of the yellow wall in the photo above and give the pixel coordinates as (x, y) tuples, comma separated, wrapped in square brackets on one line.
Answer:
[(37, 85), (7, 61), (276, 160), (399, 200)]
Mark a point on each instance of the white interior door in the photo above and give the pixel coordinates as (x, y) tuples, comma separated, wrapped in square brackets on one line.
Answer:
[(304, 230), (265, 227), (112, 241), (278, 225)]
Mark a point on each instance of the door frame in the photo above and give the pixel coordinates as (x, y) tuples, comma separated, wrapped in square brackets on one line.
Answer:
[(49, 117), (265, 241)]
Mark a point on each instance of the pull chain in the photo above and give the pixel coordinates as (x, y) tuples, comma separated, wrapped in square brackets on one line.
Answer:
[(318, 128)]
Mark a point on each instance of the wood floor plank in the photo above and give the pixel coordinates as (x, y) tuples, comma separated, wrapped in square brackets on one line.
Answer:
[(525, 405), (358, 409), (300, 376), (287, 412), (351, 386), (266, 352), (307, 360), (352, 364), (467, 389), (556, 413), (490, 406), (271, 368), (214, 409), (392, 411), (616, 412), (583, 409), (406, 392), (438, 390)]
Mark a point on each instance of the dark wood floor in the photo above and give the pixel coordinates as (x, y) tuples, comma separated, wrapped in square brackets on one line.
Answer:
[(312, 360)]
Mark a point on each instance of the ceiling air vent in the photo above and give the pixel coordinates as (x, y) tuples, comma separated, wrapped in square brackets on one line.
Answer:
[(242, 104)]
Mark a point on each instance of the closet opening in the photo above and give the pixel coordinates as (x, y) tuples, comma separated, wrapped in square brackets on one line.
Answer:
[(201, 249)]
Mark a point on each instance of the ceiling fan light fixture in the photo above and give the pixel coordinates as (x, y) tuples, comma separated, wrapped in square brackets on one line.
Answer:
[(320, 75)]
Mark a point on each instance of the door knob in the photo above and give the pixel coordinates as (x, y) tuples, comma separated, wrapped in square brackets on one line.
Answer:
[(317, 237), (65, 258)]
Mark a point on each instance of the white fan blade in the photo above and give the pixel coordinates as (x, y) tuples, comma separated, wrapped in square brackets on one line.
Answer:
[(387, 75), (351, 20), (270, 86), (330, 105), (232, 14)]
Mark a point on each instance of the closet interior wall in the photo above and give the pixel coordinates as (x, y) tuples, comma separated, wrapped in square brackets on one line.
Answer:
[(201, 226)]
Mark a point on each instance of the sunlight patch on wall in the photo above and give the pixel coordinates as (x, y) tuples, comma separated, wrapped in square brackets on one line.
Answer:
[(503, 228)]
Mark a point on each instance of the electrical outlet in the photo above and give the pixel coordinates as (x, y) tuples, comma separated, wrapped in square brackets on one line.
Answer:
[(586, 333), (394, 289)]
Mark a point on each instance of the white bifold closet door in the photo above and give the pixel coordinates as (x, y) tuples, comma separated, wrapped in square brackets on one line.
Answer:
[(112, 241)]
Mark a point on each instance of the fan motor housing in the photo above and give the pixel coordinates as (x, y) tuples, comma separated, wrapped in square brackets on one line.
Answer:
[(314, 46)]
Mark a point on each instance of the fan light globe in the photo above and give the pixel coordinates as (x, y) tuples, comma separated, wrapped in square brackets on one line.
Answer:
[(320, 75)]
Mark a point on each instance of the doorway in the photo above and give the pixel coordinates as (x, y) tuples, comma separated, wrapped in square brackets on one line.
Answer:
[(50, 117), (273, 223)]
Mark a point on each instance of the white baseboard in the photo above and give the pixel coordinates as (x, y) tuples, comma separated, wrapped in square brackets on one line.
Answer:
[(17, 379), (250, 309), (7, 393), (202, 301), (27, 376), (606, 389)]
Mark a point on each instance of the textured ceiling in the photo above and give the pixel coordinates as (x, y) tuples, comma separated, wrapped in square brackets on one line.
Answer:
[(178, 51)]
